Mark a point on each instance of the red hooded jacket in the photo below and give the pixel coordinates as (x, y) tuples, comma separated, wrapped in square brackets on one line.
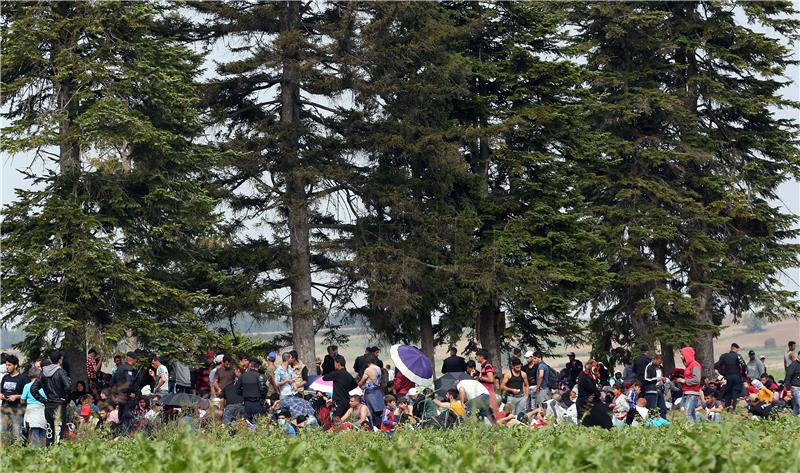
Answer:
[(692, 374)]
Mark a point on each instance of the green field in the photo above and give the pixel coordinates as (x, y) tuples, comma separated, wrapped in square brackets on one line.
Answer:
[(735, 445)]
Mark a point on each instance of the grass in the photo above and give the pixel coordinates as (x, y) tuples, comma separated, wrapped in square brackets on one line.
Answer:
[(737, 444)]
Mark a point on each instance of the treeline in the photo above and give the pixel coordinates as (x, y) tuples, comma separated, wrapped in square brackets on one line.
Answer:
[(512, 169)]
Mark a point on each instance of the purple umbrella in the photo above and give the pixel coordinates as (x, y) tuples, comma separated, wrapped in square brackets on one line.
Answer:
[(413, 364)]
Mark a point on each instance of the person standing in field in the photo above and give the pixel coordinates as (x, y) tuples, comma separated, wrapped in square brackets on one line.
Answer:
[(343, 383), (653, 386), (588, 392), (269, 374), (34, 420), (284, 377), (487, 378), (515, 385), (161, 378), (542, 383), (789, 356), (792, 382), (327, 362), (755, 368), (11, 387), (690, 383), (454, 363), (732, 367)]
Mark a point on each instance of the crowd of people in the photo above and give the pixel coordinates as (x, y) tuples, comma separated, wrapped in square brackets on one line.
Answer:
[(41, 405)]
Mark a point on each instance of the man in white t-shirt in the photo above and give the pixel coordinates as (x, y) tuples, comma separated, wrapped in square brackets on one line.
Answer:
[(475, 396), (162, 376)]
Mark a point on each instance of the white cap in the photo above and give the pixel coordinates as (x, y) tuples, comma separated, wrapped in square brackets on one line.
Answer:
[(528, 354), (412, 392), (218, 359)]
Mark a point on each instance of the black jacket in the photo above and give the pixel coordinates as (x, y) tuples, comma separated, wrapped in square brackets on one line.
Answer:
[(327, 364), (454, 364), (252, 386), (639, 364), (650, 378), (728, 365), (123, 379), (793, 374), (587, 390), (54, 381)]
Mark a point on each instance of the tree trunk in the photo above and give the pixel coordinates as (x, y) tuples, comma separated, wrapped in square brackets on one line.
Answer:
[(488, 336), (668, 351), (74, 346), (69, 162), (302, 301), (426, 329), (704, 344)]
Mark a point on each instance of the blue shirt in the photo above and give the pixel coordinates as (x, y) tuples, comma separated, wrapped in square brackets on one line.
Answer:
[(282, 374), (28, 397)]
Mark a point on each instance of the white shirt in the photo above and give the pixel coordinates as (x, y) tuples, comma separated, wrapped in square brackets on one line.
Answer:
[(472, 388), (162, 373)]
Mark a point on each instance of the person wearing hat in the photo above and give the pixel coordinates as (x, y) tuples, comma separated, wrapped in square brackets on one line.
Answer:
[(732, 366), (454, 363), (269, 375), (574, 369), (755, 368)]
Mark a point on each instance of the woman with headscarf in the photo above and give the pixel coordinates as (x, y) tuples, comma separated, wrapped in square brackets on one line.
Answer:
[(588, 391), (591, 412)]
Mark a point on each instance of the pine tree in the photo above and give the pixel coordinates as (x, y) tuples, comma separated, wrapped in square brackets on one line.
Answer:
[(690, 158), (471, 215), (414, 222), (110, 234), (531, 255), (278, 104)]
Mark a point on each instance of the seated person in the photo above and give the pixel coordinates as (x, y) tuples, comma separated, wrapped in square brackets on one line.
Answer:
[(640, 413), (711, 408), (403, 412), (358, 415), (423, 408), (760, 409), (764, 393), (451, 403), (285, 423), (154, 414)]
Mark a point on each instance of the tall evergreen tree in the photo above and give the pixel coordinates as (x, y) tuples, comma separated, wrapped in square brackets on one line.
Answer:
[(474, 217), (415, 222), (531, 255), (277, 101), (690, 160), (111, 232)]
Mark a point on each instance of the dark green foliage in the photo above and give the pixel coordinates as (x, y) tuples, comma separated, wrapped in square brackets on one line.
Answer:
[(112, 237)]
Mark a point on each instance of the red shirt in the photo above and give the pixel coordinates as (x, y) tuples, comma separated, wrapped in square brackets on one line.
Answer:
[(402, 384), (387, 420), (487, 368)]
